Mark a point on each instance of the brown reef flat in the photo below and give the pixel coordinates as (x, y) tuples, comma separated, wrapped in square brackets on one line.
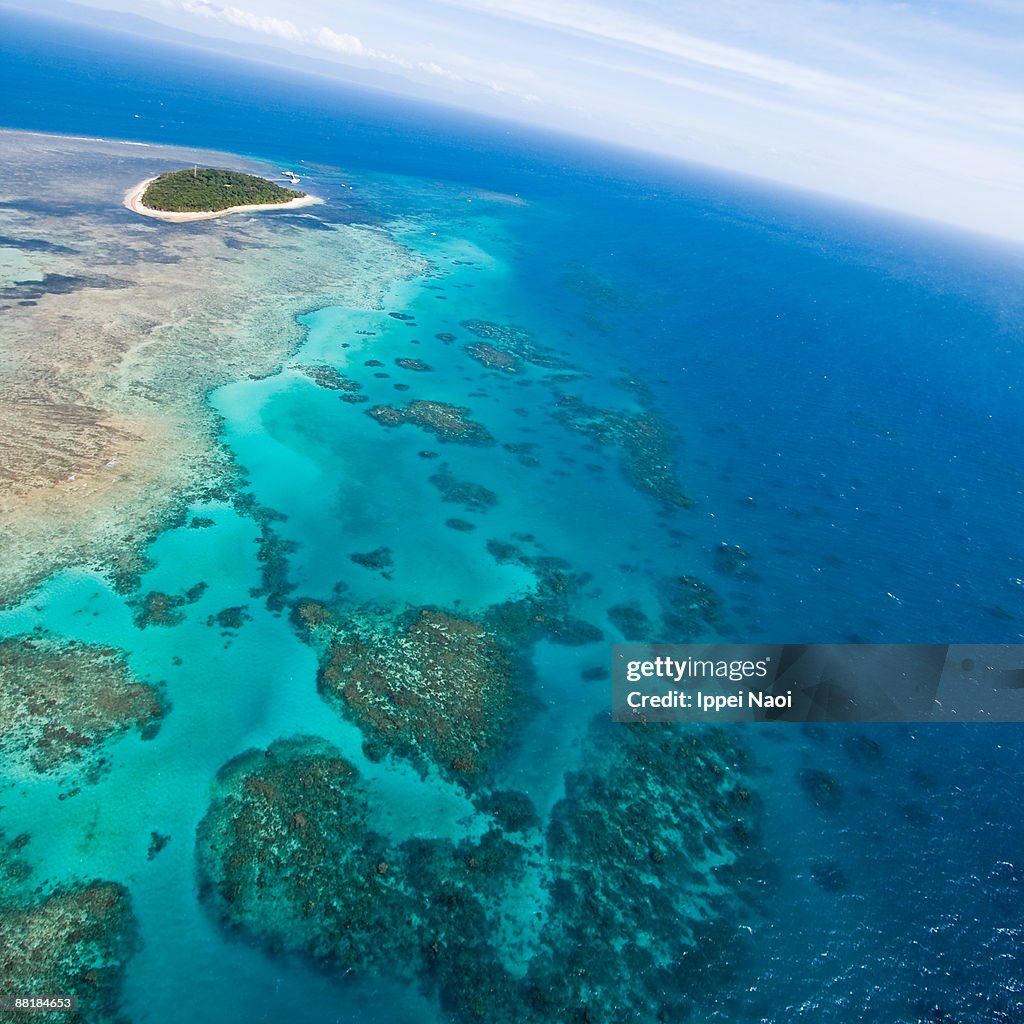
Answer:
[(113, 330)]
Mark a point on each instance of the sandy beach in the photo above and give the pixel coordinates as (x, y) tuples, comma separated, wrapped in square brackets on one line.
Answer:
[(133, 201)]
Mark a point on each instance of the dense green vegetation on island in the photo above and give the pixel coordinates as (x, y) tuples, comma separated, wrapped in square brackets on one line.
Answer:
[(207, 189)]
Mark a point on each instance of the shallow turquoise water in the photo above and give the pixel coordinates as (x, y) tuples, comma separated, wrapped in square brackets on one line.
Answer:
[(344, 485), (845, 395)]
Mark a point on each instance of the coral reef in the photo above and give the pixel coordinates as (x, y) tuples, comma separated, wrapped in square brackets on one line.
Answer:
[(631, 621), (380, 559), (644, 439), (733, 560), (100, 450), (863, 749), (157, 842), (472, 497), (651, 843), (74, 941), (690, 608), (285, 855), (60, 702), (822, 788), (546, 613), (493, 358), (230, 618), (291, 822), (829, 875), (329, 377), (446, 422), (516, 343), (159, 609), (429, 685), (275, 586)]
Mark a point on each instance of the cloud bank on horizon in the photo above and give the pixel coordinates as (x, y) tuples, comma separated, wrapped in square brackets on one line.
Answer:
[(917, 107)]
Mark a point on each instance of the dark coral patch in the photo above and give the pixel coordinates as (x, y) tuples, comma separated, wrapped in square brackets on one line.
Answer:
[(288, 823), (689, 608), (829, 875), (287, 856), (631, 621), (230, 618), (645, 842), (822, 788), (516, 342), (379, 559), (60, 702), (446, 422), (733, 560), (546, 613), (74, 941), (435, 687), (330, 378), (471, 496), (494, 358), (159, 609), (863, 749), (646, 443)]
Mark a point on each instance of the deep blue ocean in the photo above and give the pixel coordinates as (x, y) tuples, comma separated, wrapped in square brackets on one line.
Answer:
[(844, 389)]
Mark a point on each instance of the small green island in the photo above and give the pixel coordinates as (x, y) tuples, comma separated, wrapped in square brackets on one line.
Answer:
[(211, 189)]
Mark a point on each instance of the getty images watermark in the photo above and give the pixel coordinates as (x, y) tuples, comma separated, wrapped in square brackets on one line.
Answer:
[(818, 682)]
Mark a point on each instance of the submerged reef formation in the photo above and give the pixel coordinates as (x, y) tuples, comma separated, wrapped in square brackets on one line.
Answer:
[(446, 422), (59, 702), (328, 377), (514, 343), (289, 823), (285, 855), (690, 608), (472, 497), (631, 621), (416, 365), (428, 685), (822, 788), (544, 614), (649, 848), (612, 913), (644, 440), (380, 560), (73, 941), (733, 560), (275, 585), (493, 358), (159, 609)]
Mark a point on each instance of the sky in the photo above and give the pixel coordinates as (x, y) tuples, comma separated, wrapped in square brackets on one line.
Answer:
[(914, 106)]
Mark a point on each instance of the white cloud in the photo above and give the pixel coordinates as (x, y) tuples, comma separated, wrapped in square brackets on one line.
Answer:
[(342, 44), (919, 107), (337, 42), (263, 24)]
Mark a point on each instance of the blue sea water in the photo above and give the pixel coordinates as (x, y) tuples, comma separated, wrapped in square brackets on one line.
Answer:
[(844, 387)]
